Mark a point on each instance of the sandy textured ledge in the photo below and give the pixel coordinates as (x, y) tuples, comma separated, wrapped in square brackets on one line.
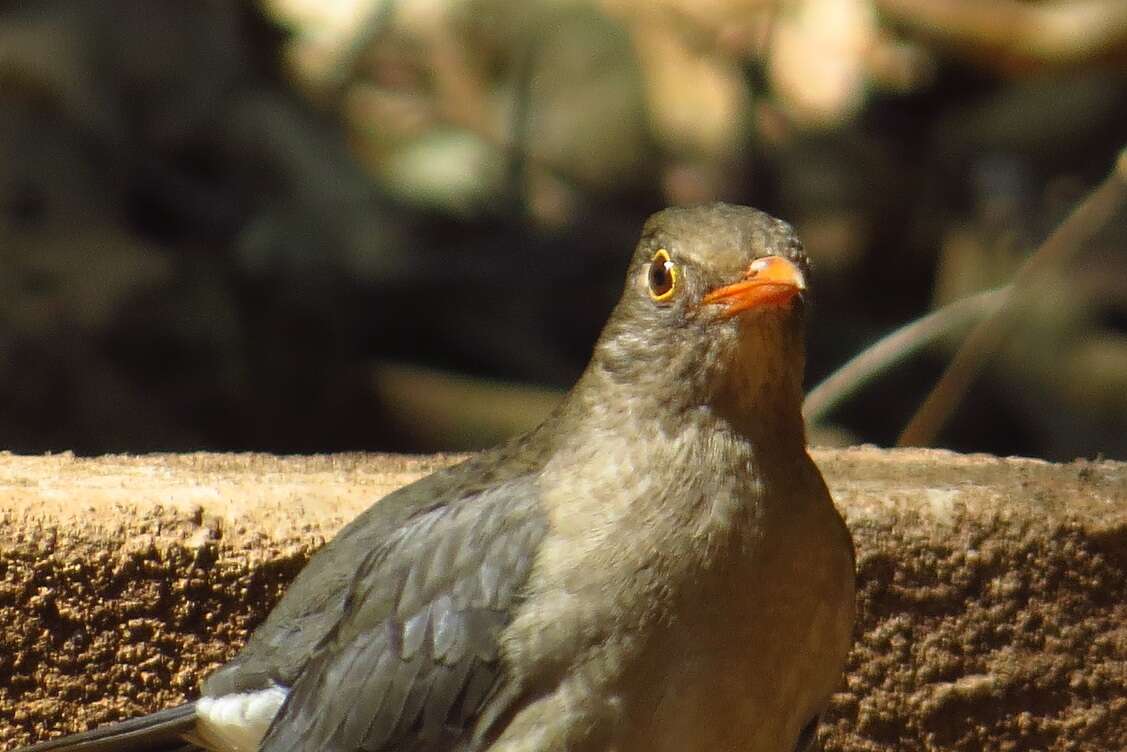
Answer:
[(993, 591)]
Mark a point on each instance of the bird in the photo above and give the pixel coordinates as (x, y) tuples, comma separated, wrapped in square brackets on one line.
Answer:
[(657, 566)]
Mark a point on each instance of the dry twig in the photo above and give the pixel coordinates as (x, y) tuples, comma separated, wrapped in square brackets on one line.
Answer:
[(1067, 241), (894, 347)]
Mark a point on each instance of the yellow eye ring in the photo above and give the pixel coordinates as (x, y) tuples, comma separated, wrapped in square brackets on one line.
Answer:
[(662, 277)]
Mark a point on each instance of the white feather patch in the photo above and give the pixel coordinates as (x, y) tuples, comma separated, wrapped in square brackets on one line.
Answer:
[(237, 723)]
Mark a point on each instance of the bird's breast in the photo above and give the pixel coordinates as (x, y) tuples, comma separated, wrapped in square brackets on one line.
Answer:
[(759, 642), (681, 605)]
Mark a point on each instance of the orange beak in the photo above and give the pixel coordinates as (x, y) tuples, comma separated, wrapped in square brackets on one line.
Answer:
[(770, 281)]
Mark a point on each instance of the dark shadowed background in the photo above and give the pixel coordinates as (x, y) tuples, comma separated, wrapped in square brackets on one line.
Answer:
[(400, 225)]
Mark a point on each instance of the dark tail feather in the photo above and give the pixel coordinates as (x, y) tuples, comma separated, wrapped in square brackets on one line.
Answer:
[(162, 731)]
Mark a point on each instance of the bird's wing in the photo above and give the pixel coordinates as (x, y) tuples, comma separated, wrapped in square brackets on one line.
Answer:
[(412, 656)]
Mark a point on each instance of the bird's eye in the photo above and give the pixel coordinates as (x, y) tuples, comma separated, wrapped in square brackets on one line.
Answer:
[(662, 276)]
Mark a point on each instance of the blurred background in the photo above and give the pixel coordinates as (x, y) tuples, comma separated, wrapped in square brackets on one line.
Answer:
[(300, 226)]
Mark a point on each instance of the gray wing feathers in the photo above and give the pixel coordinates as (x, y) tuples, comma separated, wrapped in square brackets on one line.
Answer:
[(413, 657)]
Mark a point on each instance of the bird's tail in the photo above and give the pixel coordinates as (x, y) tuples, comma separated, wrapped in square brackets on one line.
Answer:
[(163, 731)]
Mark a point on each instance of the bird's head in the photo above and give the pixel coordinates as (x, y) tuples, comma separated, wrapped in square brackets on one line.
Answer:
[(712, 312)]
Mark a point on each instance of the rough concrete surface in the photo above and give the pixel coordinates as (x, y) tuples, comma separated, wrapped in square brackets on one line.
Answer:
[(993, 592)]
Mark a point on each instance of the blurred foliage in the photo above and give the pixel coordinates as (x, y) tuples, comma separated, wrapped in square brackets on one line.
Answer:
[(226, 225)]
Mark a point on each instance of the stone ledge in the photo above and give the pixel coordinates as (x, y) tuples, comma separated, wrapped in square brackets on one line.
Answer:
[(993, 592)]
